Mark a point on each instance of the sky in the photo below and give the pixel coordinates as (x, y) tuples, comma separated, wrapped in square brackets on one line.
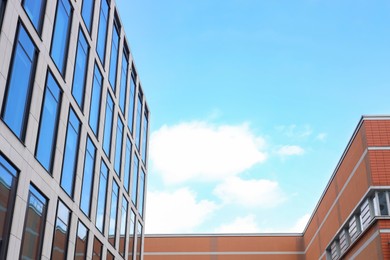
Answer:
[(252, 104)]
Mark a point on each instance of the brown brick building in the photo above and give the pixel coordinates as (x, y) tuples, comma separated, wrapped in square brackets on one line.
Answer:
[(350, 221)]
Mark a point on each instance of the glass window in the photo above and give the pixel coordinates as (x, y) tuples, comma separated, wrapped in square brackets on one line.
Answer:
[(131, 234), (108, 125), (34, 225), (2, 8), (8, 182), (48, 124), (35, 10), (126, 177), (123, 85), (80, 252), (61, 232), (87, 13), (382, 203), (97, 249), (60, 39), (122, 234), (102, 33), (70, 153), (145, 135), (110, 256), (141, 193), (131, 101), (94, 111), (80, 70), (113, 214), (19, 86), (101, 203), (139, 241), (134, 179), (118, 147), (138, 123), (114, 53), (86, 187)]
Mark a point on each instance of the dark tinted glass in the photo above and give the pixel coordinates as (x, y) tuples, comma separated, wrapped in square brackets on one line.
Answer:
[(94, 111), (34, 10), (97, 249), (141, 193), (102, 33), (60, 241), (108, 125), (2, 7), (138, 123), (48, 124), (134, 180), (80, 252), (114, 56), (87, 13), (122, 232), (86, 187), (80, 70), (113, 214), (60, 39), (131, 234), (19, 85), (70, 153), (118, 147), (34, 225), (126, 177), (101, 203), (123, 85), (131, 103), (144, 135)]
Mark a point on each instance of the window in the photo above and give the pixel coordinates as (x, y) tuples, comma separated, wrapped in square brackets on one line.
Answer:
[(8, 182), (35, 10), (122, 234), (94, 111), (101, 203), (48, 124), (87, 13), (61, 232), (81, 242), (102, 33), (34, 225), (70, 153), (123, 85), (131, 234), (108, 125), (118, 147), (2, 9), (126, 177), (382, 203), (97, 249), (86, 187), (110, 256), (80, 70), (138, 123), (19, 86), (344, 240), (145, 135), (60, 39), (134, 179), (354, 227), (114, 53), (131, 101), (365, 213), (113, 214), (139, 241), (335, 250), (141, 193)]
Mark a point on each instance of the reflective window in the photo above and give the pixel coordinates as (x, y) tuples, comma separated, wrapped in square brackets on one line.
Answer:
[(145, 135), (70, 153), (141, 193), (126, 177), (382, 204), (97, 249), (131, 100), (8, 182), (139, 241), (48, 124), (131, 234), (113, 214), (123, 85), (118, 147), (110, 256), (80, 252), (35, 10), (60, 39), (134, 179), (87, 13), (101, 203), (34, 225), (94, 111), (61, 232), (19, 86), (138, 122), (108, 125), (122, 234), (114, 53), (86, 187), (80, 70), (102, 33)]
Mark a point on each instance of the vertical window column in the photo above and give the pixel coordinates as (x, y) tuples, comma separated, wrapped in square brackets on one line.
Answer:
[(134, 179), (123, 85), (139, 241), (94, 111), (138, 122), (101, 202), (113, 214), (61, 232), (80, 252), (97, 249), (87, 13), (118, 147), (108, 125), (122, 234), (35, 11), (131, 235), (86, 187), (131, 100), (126, 177), (80, 69), (114, 53), (145, 135), (141, 193), (102, 33)]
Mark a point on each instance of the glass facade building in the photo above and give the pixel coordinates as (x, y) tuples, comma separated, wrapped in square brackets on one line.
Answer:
[(73, 173)]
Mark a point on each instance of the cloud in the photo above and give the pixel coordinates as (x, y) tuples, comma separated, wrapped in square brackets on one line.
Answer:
[(294, 131), (176, 212), (246, 224), (300, 225), (321, 136), (250, 193), (288, 150), (203, 152)]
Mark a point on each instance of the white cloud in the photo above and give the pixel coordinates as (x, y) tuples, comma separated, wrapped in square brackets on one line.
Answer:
[(294, 131), (300, 225), (176, 212), (288, 150), (203, 152), (250, 193), (245, 224), (321, 136)]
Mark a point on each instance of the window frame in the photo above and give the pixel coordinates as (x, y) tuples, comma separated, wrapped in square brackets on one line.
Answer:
[(41, 18)]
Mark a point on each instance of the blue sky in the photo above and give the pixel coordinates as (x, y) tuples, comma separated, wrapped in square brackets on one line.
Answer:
[(252, 104)]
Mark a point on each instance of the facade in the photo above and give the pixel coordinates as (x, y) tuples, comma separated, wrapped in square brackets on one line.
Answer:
[(73, 133), (350, 221)]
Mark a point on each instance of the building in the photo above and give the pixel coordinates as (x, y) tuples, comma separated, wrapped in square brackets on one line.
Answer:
[(73, 133), (350, 221)]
